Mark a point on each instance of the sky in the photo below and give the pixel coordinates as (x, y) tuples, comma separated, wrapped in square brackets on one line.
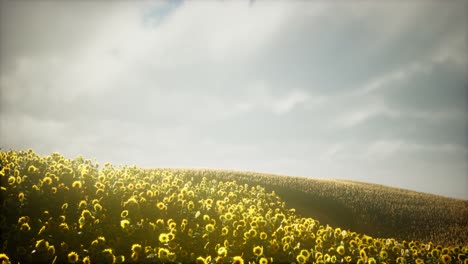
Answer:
[(373, 91)]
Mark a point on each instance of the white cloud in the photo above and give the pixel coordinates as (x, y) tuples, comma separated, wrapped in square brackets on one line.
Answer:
[(361, 114), (207, 80)]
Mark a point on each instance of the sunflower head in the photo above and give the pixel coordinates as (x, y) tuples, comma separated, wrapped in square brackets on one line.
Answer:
[(258, 251), (222, 251), (237, 260), (72, 257), (446, 258)]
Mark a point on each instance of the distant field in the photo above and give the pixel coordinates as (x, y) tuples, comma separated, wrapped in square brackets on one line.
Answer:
[(59, 210), (372, 209)]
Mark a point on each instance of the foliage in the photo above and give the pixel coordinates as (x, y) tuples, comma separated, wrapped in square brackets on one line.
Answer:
[(62, 210)]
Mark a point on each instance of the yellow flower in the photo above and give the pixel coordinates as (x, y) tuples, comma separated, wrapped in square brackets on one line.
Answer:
[(47, 180), (25, 227), (72, 257), (210, 228), (23, 219), (76, 184), (161, 206), (340, 250), (401, 260), (371, 261), (136, 248), (134, 256), (201, 260), (222, 251), (363, 254), (124, 223), (4, 258), (163, 253), (11, 180), (124, 214), (163, 238), (225, 231), (86, 260), (86, 213), (190, 205), (82, 204), (258, 251), (301, 259), (21, 196), (446, 259), (263, 236), (51, 250), (42, 245), (97, 207), (383, 254), (237, 260), (305, 253), (63, 227), (419, 261), (263, 261)]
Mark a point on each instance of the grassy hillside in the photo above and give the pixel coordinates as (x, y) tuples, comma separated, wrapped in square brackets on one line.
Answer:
[(59, 210), (373, 209)]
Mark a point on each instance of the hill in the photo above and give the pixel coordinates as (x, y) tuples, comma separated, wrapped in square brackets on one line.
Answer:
[(58, 210), (373, 209)]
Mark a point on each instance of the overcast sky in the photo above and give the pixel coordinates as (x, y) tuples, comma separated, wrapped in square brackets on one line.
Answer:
[(374, 91)]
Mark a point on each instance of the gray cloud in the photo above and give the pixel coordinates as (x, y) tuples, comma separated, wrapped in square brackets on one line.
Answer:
[(368, 91)]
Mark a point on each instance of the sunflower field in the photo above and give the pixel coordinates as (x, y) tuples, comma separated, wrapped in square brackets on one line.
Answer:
[(59, 210)]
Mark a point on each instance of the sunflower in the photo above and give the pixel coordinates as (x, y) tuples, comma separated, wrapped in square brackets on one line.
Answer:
[(446, 259), (42, 245), (161, 206), (225, 231), (124, 224), (201, 260), (305, 253), (97, 207), (237, 260), (301, 259), (25, 227), (163, 253), (86, 260), (11, 180), (72, 257), (363, 254), (47, 180), (51, 251), (263, 261), (222, 251), (419, 261), (136, 248), (209, 228), (258, 251), (21, 196), (4, 258), (383, 254), (77, 184), (163, 238), (82, 204), (401, 260), (340, 250), (124, 214)]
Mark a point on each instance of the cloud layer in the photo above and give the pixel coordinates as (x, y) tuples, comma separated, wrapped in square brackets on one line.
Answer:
[(367, 91)]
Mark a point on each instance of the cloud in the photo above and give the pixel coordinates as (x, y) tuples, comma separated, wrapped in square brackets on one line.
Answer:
[(358, 90)]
